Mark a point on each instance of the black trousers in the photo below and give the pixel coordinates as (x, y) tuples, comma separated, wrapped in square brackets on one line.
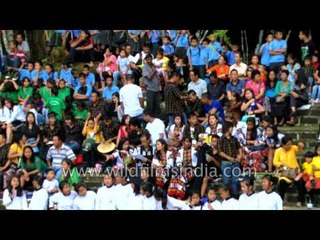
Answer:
[(153, 102), (82, 56), (283, 186)]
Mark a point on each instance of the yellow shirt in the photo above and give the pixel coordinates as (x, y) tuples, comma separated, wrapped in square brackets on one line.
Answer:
[(16, 149), (90, 133), (307, 168), (289, 158), (316, 163)]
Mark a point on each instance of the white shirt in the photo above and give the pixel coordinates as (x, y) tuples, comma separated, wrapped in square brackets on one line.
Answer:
[(199, 207), (216, 205), (230, 204), (156, 128), (63, 202), (199, 87), (130, 95), (241, 68), (269, 201), (219, 130), (87, 202), (39, 200), (105, 198), (17, 203), (50, 185), (135, 202), (149, 203), (173, 204), (15, 114), (121, 196), (248, 202)]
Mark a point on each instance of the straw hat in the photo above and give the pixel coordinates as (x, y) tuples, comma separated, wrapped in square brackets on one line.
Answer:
[(106, 147)]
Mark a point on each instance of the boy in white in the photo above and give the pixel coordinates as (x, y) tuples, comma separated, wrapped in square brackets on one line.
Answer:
[(40, 197), (50, 184), (212, 203), (268, 199), (86, 200), (105, 195), (63, 200)]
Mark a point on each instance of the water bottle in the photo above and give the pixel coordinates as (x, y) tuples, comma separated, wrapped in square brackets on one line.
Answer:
[(309, 204)]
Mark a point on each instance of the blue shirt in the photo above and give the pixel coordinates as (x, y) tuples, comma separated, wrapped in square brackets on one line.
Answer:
[(217, 45), (134, 32), (66, 75), (231, 60), (34, 74), (204, 54), (194, 53), (173, 34), (89, 90), (53, 75), (107, 92), (183, 40), (167, 49), (216, 105), (76, 33), (154, 39), (25, 73), (277, 45), (236, 87), (228, 55), (90, 79), (213, 53), (265, 55)]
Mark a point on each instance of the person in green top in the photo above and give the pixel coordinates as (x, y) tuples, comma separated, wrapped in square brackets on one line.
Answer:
[(9, 89), (55, 104), (80, 112), (45, 91), (69, 173), (30, 166), (64, 90), (25, 91)]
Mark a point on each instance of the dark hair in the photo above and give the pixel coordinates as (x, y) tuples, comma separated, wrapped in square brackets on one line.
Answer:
[(234, 70), (86, 66), (150, 113), (195, 71), (205, 95), (67, 176), (285, 140), (58, 136), (163, 142), (309, 154), (148, 56), (116, 94), (161, 195), (275, 132), (147, 187), (254, 73), (305, 32), (19, 188), (250, 90), (122, 142), (267, 119), (49, 170), (17, 137), (193, 92), (194, 38), (62, 184), (123, 120), (316, 147), (174, 74), (213, 74), (308, 57), (270, 178), (226, 126), (55, 90), (79, 185), (135, 122), (248, 181), (39, 179), (285, 72), (254, 133), (3, 134), (32, 158)]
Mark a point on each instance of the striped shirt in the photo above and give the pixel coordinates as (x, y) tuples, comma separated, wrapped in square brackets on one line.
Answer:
[(57, 155), (173, 103)]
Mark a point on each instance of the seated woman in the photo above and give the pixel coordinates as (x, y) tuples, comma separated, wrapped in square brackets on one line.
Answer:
[(159, 163), (299, 95), (63, 200), (281, 108), (175, 131), (30, 166), (214, 126), (25, 91), (68, 173), (270, 95), (251, 107), (32, 132), (257, 86), (82, 48), (86, 200), (255, 152), (285, 161)]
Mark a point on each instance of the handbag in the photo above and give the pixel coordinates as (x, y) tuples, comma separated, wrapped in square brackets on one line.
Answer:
[(290, 173)]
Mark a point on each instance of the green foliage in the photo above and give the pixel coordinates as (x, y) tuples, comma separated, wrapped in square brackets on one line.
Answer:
[(222, 36)]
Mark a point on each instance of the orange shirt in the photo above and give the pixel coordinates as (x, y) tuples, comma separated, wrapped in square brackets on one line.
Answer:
[(222, 72)]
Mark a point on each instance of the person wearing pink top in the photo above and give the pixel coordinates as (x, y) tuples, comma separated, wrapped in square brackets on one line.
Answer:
[(257, 86), (109, 65)]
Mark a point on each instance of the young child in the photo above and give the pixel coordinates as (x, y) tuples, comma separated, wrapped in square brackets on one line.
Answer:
[(248, 199), (105, 194), (161, 62), (14, 197), (315, 95), (135, 201), (122, 190), (63, 200), (212, 203), (85, 200), (228, 203), (149, 201), (195, 202), (165, 202), (50, 184), (40, 197), (268, 199), (309, 72), (123, 63), (312, 169)]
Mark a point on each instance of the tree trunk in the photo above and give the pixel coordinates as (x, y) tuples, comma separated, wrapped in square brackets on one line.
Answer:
[(37, 43), (256, 51)]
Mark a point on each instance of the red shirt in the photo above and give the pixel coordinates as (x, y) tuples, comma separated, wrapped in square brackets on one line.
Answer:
[(17, 53)]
